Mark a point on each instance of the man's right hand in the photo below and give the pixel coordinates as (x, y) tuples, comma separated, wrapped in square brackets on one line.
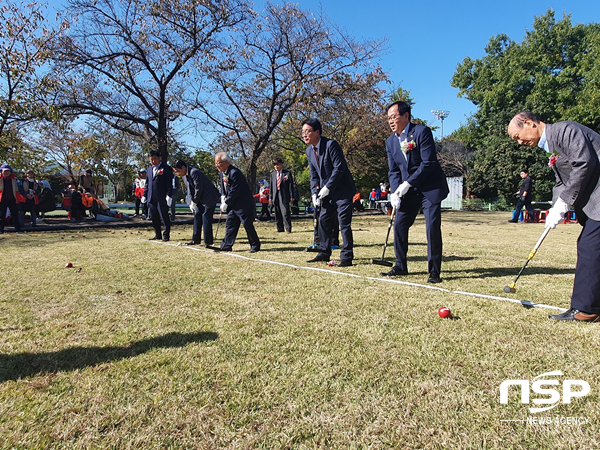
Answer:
[(395, 200), (316, 200)]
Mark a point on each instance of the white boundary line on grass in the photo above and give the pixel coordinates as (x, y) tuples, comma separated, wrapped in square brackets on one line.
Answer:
[(386, 280)]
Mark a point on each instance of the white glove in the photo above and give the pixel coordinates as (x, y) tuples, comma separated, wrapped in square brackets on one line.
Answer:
[(402, 189), (223, 207), (169, 201), (556, 213), (144, 200), (194, 208), (395, 200), (316, 200), (324, 192)]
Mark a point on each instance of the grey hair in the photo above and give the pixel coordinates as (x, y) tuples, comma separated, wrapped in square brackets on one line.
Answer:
[(223, 156), (520, 118)]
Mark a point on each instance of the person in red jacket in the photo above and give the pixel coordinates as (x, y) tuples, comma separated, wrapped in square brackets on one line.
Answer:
[(9, 198), (263, 198)]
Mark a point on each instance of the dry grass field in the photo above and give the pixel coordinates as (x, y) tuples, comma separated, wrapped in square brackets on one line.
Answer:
[(158, 346)]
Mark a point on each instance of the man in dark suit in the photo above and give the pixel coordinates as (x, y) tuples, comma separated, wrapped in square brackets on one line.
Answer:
[(575, 159), (416, 181), (202, 197), (282, 193), (158, 195), (525, 195), (238, 202), (332, 188)]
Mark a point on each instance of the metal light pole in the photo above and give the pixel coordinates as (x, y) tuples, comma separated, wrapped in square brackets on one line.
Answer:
[(441, 115)]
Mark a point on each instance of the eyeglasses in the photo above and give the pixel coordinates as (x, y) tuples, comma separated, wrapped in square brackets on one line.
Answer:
[(393, 118)]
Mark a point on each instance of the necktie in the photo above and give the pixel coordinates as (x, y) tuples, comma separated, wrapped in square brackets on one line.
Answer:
[(154, 171), (278, 180), (316, 155)]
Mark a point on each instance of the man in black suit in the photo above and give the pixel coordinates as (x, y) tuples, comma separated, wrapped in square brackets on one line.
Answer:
[(416, 181), (332, 188), (202, 197), (525, 195), (282, 193), (158, 195), (574, 152), (238, 202)]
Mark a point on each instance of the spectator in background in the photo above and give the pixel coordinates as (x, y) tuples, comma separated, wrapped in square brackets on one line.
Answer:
[(281, 194), (372, 198), (139, 184), (357, 202), (263, 197), (47, 201), (76, 209), (9, 198), (525, 194), (30, 189), (86, 182)]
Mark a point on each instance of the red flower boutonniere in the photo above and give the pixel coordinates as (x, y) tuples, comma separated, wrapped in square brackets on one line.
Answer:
[(552, 158), (225, 179), (285, 177), (160, 171), (408, 146)]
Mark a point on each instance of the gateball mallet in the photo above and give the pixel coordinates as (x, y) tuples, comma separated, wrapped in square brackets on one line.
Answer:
[(314, 247), (218, 224), (511, 289), (382, 262)]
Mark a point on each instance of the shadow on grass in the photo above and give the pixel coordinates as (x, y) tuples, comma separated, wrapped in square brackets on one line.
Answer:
[(501, 272), (20, 365)]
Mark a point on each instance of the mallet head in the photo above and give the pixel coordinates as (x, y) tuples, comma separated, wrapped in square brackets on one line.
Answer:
[(510, 289)]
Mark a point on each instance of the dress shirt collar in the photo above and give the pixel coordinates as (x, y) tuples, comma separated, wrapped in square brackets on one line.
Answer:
[(543, 143)]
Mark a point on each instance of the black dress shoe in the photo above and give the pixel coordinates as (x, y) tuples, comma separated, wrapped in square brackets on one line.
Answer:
[(155, 238), (345, 263), (575, 314), (192, 243), (223, 249), (513, 221), (434, 278), (321, 257), (254, 250), (166, 238), (396, 271), (209, 246)]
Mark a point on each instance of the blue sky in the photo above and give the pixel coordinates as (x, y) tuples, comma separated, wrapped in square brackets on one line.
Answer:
[(428, 39)]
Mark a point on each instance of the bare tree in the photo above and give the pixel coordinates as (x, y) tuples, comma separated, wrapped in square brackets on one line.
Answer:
[(283, 62), (24, 49), (129, 62)]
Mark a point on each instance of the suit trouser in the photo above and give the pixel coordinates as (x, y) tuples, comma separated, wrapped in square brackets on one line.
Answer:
[(283, 215), (586, 286), (343, 209), (528, 208), (160, 213), (14, 214), (232, 226), (335, 232), (203, 219), (410, 205)]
